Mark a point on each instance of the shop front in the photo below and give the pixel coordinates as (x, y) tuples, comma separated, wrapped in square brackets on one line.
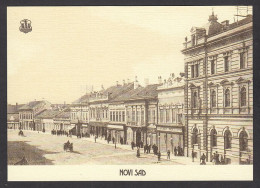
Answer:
[(98, 129), (118, 132), (170, 138)]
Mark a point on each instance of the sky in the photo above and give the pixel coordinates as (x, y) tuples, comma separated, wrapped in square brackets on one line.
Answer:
[(71, 49)]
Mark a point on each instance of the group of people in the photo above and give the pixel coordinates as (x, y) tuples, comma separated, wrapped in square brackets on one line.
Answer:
[(178, 151), (121, 141), (217, 159), (61, 132)]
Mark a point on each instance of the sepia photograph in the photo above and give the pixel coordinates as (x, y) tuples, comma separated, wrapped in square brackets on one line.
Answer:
[(130, 88)]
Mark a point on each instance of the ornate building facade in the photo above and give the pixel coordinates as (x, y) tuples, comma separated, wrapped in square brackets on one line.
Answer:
[(170, 127), (219, 90)]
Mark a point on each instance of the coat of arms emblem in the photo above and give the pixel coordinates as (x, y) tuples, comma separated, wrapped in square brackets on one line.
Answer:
[(26, 26)]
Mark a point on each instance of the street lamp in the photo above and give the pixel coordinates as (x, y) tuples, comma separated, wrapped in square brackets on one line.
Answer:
[(172, 144)]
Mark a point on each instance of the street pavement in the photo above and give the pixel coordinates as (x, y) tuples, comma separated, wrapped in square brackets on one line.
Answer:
[(86, 151)]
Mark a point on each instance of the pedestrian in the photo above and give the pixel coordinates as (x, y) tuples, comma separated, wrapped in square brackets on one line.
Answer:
[(192, 155), (149, 148), (179, 151), (222, 161), (159, 156), (217, 158), (175, 151), (168, 154), (113, 140), (138, 152), (141, 144), (202, 159), (95, 139), (145, 148)]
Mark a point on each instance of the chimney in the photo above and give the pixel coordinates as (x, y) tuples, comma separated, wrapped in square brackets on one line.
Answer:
[(159, 80), (117, 83), (16, 106), (123, 82), (172, 75), (128, 80), (136, 84), (102, 87)]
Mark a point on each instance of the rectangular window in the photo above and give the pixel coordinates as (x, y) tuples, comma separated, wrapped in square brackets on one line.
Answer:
[(242, 60), (167, 115), (173, 115), (149, 116), (133, 115), (123, 116), (213, 67), (114, 116), (137, 116), (226, 64), (111, 116), (192, 71), (120, 114), (179, 118), (196, 70), (161, 115), (153, 116), (142, 117)]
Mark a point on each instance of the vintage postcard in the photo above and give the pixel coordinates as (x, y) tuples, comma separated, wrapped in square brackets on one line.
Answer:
[(130, 93)]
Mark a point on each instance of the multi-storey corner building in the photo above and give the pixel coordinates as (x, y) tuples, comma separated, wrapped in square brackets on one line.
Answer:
[(28, 111), (170, 127), (219, 90)]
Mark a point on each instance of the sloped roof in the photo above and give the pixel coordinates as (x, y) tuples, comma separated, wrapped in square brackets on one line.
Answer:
[(82, 99), (149, 91), (64, 114), (32, 104), (48, 114), (11, 109)]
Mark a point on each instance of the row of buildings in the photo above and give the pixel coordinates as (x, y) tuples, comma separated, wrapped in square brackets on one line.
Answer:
[(207, 109)]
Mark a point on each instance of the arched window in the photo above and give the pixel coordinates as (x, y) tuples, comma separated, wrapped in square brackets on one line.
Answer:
[(227, 139), (213, 98), (243, 141), (213, 135), (243, 96), (194, 99), (195, 136), (227, 98)]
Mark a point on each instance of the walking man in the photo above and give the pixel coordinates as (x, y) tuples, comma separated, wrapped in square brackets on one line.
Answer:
[(192, 155), (159, 156), (168, 154), (202, 159)]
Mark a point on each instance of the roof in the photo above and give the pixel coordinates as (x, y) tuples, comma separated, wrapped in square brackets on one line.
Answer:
[(48, 114), (115, 91), (12, 117), (215, 31), (147, 92), (31, 105), (82, 99), (64, 114), (11, 109)]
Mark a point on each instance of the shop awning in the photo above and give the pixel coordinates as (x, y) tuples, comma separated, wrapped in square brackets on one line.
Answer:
[(69, 127), (116, 127), (85, 125)]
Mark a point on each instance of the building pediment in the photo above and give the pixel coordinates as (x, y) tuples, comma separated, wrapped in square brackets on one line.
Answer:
[(242, 80), (211, 84), (193, 86), (226, 82)]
